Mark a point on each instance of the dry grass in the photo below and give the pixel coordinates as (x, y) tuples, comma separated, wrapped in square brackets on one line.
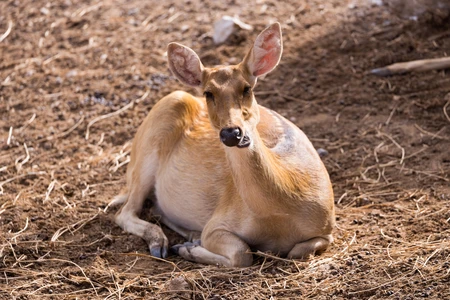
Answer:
[(77, 80), (356, 267)]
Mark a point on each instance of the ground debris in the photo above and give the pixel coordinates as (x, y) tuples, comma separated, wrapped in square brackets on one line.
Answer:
[(78, 77)]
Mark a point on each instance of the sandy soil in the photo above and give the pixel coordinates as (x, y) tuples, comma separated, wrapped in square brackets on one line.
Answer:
[(78, 77)]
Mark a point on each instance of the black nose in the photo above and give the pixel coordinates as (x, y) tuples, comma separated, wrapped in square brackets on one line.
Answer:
[(231, 136)]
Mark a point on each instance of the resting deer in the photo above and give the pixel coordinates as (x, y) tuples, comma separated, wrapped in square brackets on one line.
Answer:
[(226, 171)]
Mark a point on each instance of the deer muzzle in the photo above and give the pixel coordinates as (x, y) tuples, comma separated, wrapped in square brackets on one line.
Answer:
[(234, 137)]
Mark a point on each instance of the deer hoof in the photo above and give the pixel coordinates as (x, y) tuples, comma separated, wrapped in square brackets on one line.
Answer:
[(158, 250), (185, 247)]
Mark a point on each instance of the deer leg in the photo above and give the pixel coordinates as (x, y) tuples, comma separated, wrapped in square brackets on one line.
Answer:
[(140, 185), (310, 247), (220, 247), (190, 235)]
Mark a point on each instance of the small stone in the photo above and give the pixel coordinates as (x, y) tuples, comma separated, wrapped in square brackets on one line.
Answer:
[(178, 284), (44, 11), (47, 145), (72, 73)]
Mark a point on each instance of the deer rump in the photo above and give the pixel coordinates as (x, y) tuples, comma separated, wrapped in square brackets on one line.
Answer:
[(229, 175)]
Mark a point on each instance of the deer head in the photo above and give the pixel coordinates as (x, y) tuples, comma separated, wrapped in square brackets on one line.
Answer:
[(228, 90)]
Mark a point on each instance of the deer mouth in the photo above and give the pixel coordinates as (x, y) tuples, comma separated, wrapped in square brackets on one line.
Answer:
[(244, 142), (234, 137)]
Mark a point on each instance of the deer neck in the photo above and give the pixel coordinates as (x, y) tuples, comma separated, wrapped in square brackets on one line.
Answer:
[(264, 182)]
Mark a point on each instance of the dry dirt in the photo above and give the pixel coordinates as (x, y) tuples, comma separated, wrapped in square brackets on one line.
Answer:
[(78, 77)]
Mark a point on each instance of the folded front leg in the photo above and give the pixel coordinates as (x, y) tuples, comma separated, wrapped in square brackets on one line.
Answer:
[(153, 235), (220, 247), (128, 218)]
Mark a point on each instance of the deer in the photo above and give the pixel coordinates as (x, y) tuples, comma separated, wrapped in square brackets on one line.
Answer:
[(230, 176)]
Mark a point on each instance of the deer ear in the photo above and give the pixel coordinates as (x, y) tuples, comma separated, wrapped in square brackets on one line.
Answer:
[(266, 52), (185, 64)]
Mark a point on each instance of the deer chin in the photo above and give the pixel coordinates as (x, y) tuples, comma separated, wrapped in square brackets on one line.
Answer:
[(245, 142)]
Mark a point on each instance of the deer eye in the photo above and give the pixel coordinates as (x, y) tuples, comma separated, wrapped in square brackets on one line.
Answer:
[(209, 96), (246, 91)]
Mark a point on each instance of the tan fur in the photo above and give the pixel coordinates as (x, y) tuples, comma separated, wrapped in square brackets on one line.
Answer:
[(274, 195)]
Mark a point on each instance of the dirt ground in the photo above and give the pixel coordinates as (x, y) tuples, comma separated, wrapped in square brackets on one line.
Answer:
[(78, 77)]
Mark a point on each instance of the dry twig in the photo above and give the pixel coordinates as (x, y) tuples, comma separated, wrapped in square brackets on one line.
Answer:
[(7, 32), (445, 109), (433, 135), (64, 133), (129, 105), (413, 66), (72, 228)]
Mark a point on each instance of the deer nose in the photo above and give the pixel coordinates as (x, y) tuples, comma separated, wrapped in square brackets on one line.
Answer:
[(231, 136)]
